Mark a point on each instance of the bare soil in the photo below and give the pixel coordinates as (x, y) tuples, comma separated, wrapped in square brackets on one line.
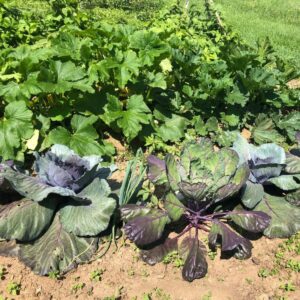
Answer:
[(127, 277)]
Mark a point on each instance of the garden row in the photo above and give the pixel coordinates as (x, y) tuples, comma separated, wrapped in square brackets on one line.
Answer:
[(71, 79), (54, 216)]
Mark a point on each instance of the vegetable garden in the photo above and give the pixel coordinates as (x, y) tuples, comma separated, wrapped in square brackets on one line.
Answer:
[(209, 125)]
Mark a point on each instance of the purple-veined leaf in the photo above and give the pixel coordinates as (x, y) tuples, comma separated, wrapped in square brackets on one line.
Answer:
[(193, 252), (131, 211), (230, 240), (157, 170), (144, 230), (254, 221)]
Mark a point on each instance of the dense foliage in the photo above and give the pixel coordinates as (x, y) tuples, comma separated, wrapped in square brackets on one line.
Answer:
[(51, 219), (71, 79), (272, 185), (195, 189)]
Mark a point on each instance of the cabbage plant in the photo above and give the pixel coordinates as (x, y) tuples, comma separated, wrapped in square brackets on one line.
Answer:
[(274, 178), (58, 210), (195, 189)]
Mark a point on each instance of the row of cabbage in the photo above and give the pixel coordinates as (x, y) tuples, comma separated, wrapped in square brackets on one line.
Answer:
[(54, 216)]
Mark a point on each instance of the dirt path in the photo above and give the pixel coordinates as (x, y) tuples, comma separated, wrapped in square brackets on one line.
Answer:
[(127, 277)]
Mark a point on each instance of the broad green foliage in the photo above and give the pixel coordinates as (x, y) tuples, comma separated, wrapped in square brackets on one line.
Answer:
[(196, 186), (184, 73), (66, 205), (272, 169)]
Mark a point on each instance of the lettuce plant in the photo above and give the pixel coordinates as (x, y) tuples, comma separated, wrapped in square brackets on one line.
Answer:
[(58, 210), (273, 176), (195, 189)]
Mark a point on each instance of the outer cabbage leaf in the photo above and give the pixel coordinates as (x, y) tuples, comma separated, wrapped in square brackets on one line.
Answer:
[(285, 217), (146, 229), (287, 182), (251, 194), (25, 220), (157, 170), (174, 207), (254, 221), (193, 252), (57, 250), (231, 240), (93, 218)]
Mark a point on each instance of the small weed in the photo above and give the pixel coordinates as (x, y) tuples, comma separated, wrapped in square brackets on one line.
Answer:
[(77, 287), (147, 296), (293, 265), (174, 259), (288, 287), (145, 273), (54, 275), (249, 281), (161, 294), (96, 275), (263, 273), (212, 254), (130, 272), (14, 288), (207, 296)]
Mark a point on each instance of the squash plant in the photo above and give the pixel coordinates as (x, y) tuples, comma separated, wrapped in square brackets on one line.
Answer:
[(194, 201)]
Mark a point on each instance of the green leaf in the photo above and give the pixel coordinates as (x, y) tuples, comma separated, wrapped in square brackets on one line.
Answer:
[(92, 218), (265, 132), (286, 182), (174, 207), (173, 128), (172, 172), (57, 250), (291, 124), (285, 217), (252, 194), (293, 198), (292, 164), (136, 113), (127, 68), (61, 77), (25, 220), (149, 45), (157, 80), (15, 126), (82, 139)]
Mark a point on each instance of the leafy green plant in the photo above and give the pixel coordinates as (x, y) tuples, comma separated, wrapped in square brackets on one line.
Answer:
[(269, 167), (183, 75), (13, 288), (54, 205), (196, 187), (96, 275)]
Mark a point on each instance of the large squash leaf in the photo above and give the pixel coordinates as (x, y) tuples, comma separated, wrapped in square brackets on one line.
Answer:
[(15, 126)]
